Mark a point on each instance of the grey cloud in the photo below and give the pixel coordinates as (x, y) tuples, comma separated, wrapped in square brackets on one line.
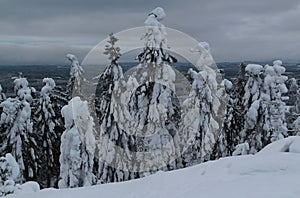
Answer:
[(237, 30)]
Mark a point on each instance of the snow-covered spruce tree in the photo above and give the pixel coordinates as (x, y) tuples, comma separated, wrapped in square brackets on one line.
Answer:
[(226, 140), (44, 126), (77, 146), (252, 131), (208, 93), (235, 116), (153, 105), (113, 73), (234, 122), (76, 77), (9, 173), (2, 95), (2, 98), (17, 136), (197, 119), (59, 100), (297, 105), (274, 87), (114, 93), (263, 101)]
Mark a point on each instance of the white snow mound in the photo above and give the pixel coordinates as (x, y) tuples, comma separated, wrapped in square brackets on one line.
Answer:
[(290, 144)]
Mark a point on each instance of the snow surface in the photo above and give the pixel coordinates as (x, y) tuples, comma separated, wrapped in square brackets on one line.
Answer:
[(271, 173)]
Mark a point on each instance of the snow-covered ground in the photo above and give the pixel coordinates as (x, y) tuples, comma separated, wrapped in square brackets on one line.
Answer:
[(273, 172)]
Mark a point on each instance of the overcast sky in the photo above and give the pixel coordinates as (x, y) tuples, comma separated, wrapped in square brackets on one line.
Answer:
[(43, 31)]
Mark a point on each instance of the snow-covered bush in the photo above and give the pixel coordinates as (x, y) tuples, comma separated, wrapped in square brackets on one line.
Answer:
[(241, 149), (77, 146), (9, 172)]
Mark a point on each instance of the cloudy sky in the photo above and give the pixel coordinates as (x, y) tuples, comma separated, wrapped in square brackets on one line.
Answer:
[(43, 31)]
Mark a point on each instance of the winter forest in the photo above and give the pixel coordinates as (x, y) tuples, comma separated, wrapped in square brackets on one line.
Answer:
[(135, 125)]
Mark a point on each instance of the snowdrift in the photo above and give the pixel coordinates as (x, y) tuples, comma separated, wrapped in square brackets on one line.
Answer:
[(273, 172)]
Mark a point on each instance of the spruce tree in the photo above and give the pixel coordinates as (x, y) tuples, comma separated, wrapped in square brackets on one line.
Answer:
[(2, 98), (77, 146), (113, 93), (272, 101), (252, 131), (45, 123), (2, 95), (197, 120), (297, 104), (237, 119), (17, 136), (74, 87), (153, 106), (226, 140), (235, 116)]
